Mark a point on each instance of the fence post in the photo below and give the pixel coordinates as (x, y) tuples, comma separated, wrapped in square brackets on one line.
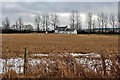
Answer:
[(118, 69), (25, 61), (103, 64)]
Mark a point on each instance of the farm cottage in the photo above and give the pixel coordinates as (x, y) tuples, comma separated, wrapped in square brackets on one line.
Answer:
[(65, 30)]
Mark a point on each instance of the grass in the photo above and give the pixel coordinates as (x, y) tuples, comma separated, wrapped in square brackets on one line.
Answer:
[(64, 66), (57, 43)]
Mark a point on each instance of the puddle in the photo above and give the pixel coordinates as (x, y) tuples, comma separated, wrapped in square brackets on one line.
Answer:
[(17, 63)]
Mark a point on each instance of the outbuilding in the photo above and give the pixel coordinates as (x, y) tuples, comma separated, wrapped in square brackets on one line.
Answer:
[(65, 30)]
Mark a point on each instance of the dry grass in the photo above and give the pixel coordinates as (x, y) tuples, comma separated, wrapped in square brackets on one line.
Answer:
[(57, 43), (65, 66)]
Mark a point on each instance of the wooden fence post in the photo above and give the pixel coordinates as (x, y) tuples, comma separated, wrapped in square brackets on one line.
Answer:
[(25, 61), (118, 69), (103, 64)]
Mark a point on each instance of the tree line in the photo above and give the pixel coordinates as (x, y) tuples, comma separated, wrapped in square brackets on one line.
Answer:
[(103, 22), (45, 21)]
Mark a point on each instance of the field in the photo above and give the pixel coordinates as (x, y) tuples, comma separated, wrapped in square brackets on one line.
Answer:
[(62, 55), (57, 43)]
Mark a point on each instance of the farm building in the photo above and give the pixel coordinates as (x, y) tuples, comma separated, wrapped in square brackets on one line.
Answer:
[(65, 30)]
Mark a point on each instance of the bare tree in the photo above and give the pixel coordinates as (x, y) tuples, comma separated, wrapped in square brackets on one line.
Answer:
[(54, 20), (43, 22), (75, 21), (78, 21), (37, 22), (16, 24), (6, 24), (102, 16), (106, 22), (102, 21), (46, 20), (94, 25), (112, 21), (72, 19), (20, 24), (99, 22), (89, 22)]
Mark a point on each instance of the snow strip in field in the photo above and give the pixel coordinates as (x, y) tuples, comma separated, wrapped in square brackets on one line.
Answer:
[(40, 54), (74, 54), (87, 54)]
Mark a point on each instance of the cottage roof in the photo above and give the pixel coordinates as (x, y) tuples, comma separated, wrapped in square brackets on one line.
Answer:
[(61, 28)]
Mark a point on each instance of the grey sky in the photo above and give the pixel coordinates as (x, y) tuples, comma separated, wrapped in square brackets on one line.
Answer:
[(27, 10), (59, 0)]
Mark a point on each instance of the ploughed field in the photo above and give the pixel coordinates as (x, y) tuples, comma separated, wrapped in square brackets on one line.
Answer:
[(58, 43)]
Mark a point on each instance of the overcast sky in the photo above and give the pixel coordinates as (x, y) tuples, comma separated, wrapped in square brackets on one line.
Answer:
[(59, 0), (28, 9)]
